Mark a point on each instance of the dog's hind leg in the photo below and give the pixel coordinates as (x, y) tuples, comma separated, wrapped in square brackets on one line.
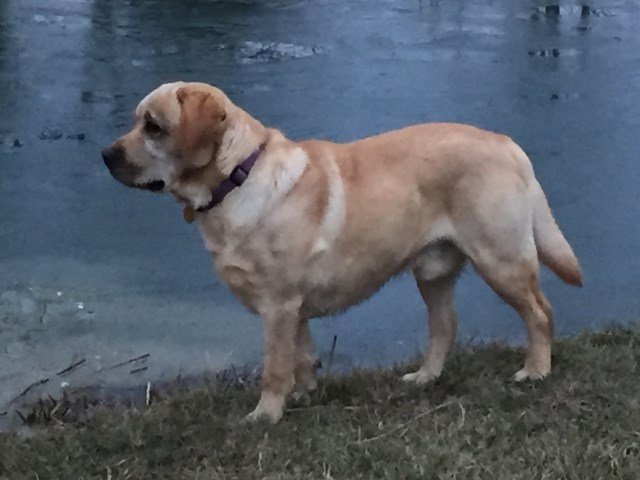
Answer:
[(305, 359), (505, 256), (495, 230), (517, 284), (436, 273)]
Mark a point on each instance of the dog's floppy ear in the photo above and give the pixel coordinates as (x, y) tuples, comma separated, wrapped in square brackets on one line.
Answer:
[(201, 120)]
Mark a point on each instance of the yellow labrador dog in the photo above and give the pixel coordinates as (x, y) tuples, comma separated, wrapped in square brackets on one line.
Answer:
[(305, 229)]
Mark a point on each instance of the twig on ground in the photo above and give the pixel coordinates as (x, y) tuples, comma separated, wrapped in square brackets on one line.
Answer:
[(148, 395), (331, 354), (28, 389), (71, 367), (311, 407), (22, 417), (404, 426), (131, 360), (463, 415)]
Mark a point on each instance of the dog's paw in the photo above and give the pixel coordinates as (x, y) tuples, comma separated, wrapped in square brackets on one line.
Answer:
[(302, 394), (529, 374), (259, 414), (420, 377), (270, 407)]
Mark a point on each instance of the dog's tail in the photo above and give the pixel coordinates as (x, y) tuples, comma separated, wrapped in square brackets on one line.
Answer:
[(553, 249)]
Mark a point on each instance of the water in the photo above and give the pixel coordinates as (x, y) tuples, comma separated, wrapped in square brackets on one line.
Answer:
[(91, 270)]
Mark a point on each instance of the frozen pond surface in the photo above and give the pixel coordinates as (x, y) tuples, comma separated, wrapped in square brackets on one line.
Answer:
[(92, 271)]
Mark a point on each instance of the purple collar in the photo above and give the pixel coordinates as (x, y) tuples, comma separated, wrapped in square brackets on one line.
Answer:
[(237, 177)]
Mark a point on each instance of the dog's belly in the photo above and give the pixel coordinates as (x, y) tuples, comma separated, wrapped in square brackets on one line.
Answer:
[(346, 287), (341, 288), (330, 300)]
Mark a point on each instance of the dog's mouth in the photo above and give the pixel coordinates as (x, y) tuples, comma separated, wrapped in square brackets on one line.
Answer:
[(152, 186)]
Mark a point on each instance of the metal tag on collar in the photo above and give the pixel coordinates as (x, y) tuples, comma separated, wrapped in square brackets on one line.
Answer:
[(188, 214)]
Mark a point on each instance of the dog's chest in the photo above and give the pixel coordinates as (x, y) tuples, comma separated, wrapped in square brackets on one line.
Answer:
[(242, 277), (236, 267)]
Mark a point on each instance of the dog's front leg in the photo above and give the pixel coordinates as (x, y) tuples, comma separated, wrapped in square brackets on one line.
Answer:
[(280, 330)]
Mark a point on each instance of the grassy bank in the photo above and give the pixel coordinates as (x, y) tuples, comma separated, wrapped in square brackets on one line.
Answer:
[(582, 422)]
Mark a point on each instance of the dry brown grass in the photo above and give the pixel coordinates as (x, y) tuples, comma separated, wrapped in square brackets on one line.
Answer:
[(580, 423)]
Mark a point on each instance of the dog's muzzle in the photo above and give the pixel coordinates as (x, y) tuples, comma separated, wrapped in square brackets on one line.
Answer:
[(124, 171), (115, 160)]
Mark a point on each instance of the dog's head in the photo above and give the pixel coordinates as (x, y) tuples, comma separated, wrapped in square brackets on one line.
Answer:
[(178, 134)]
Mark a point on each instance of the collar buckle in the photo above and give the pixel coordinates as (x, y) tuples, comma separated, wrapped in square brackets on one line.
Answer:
[(238, 175)]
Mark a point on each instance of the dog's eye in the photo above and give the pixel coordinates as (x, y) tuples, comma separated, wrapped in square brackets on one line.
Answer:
[(151, 127)]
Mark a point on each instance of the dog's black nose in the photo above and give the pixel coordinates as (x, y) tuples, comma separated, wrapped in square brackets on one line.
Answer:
[(113, 155)]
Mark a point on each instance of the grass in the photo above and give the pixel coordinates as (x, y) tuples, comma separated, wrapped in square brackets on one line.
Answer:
[(583, 422)]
